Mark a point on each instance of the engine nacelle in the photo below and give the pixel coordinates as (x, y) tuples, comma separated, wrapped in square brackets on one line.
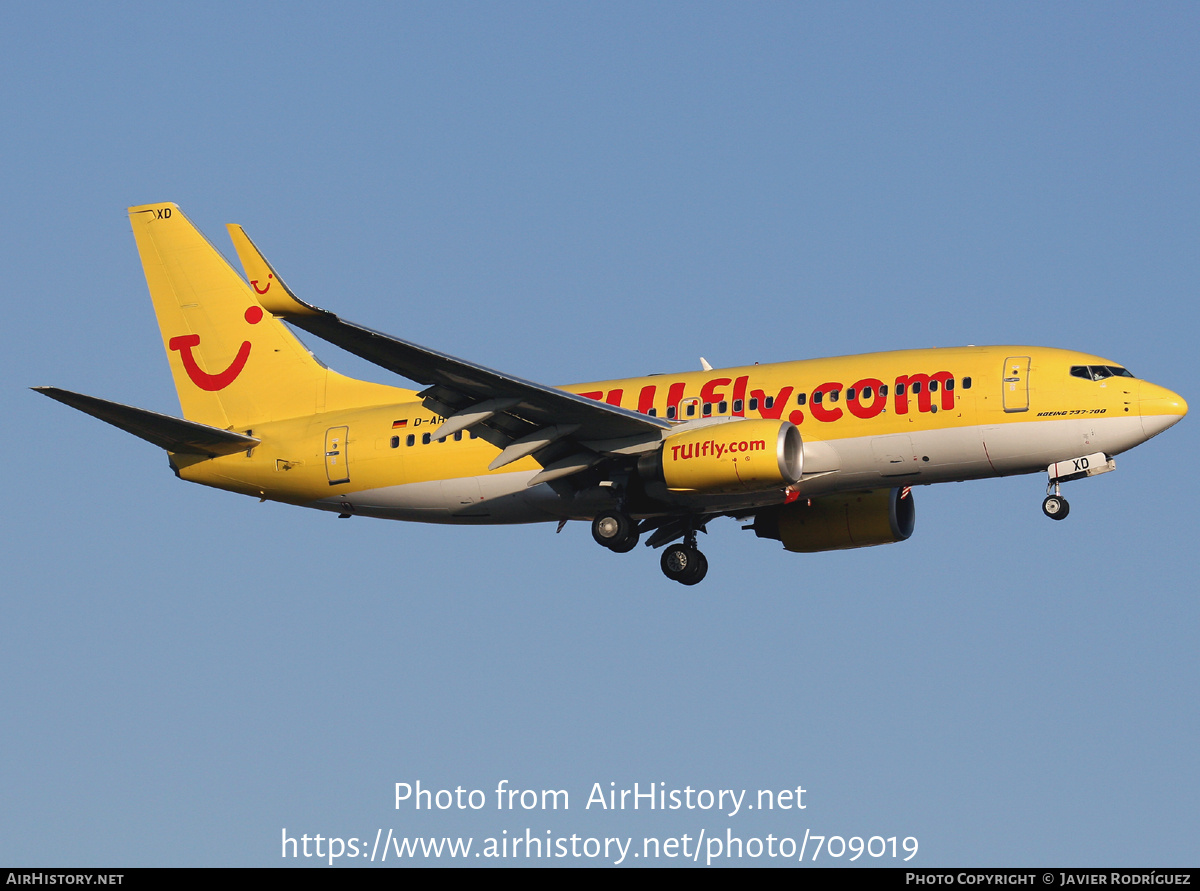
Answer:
[(837, 522), (738, 456)]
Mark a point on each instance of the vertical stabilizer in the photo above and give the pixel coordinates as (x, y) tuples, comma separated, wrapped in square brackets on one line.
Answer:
[(234, 364)]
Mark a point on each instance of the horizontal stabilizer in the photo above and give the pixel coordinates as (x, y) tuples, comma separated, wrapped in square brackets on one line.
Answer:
[(164, 431)]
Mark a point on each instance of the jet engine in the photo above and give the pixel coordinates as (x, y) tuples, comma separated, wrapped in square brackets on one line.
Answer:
[(735, 457), (838, 522)]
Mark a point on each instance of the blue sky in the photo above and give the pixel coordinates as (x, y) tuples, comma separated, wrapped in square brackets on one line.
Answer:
[(577, 192)]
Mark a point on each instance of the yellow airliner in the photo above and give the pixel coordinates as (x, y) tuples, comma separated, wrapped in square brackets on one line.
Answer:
[(818, 454)]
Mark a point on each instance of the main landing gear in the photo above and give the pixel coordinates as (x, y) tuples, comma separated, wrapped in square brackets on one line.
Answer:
[(616, 530), (682, 563)]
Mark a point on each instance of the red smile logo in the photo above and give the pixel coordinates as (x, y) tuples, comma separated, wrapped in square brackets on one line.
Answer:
[(263, 290), (219, 381)]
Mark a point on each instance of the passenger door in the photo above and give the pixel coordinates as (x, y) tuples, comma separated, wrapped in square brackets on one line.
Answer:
[(1016, 383), (337, 465)]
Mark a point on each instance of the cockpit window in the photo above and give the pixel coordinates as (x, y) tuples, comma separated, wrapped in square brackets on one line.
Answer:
[(1098, 372)]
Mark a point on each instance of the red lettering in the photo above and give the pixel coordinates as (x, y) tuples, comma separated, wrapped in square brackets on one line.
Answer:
[(739, 395), (817, 406), (778, 404), (646, 399), (855, 405), (599, 394), (924, 397), (708, 393), (674, 395), (614, 397)]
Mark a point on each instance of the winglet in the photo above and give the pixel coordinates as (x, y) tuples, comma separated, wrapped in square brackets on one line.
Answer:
[(269, 289)]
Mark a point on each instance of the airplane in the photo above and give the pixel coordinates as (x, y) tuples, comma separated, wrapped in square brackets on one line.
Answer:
[(818, 454)]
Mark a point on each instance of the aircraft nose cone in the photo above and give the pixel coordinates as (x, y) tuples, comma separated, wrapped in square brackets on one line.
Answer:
[(1160, 408)]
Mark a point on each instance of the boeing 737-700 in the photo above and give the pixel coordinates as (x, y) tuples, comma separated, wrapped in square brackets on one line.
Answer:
[(818, 454)]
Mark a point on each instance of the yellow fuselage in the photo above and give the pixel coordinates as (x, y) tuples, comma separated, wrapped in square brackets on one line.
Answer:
[(878, 419)]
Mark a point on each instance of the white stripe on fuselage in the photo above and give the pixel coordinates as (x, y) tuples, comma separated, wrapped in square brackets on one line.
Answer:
[(899, 459)]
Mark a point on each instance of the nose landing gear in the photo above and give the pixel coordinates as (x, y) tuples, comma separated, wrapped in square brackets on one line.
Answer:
[(1056, 507)]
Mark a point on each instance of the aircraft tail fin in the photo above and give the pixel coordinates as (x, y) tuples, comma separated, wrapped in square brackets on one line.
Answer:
[(233, 363)]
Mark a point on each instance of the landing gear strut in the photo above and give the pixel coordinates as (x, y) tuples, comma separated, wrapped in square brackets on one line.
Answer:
[(684, 563), (1055, 506)]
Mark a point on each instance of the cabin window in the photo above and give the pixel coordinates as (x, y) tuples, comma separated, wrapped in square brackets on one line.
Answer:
[(769, 402), (458, 436), (707, 409), (950, 384), (850, 395), (833, 395), (899, 389), (395, 442), (754, 404), (818, 397), (883, 390), (652, 412), (966, 383), (933, 386), (916, 387), (801, 398), (691, 410), (722, 407), (425, 439), (410, 440), (670, 412), (737, 406), (866, 393)]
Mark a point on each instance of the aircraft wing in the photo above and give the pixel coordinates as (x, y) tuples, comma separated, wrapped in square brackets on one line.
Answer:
[(563, 431)]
